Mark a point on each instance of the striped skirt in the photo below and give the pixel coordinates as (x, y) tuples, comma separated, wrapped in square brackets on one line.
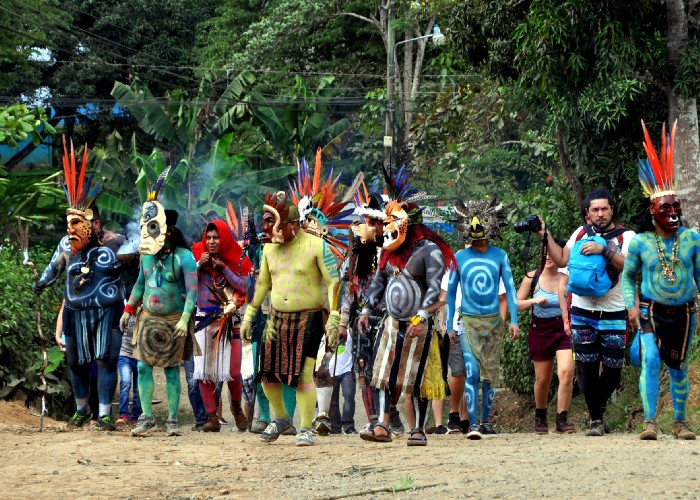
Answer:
[(91, 330), (400, 363), (297, 335)]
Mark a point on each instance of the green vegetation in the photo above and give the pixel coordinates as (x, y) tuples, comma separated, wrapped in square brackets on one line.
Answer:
[(536, 101)]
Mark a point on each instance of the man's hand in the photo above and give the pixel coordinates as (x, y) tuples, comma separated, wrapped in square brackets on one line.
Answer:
[(634, 315), (59, 343), (124, 321), (343, 333), (332, 329), (181, 329), (247, 323), (592, 248), (514, 332), (453, 338), (246, 331), (37, 288), (414, 331), (217, 263), (363, 323), (543, 228), (204, 259)]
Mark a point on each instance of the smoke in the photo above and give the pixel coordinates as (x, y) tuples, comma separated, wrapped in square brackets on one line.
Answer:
[(133, 236)]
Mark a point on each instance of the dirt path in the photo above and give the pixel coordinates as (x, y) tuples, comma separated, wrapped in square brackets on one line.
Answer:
[(90, 463)]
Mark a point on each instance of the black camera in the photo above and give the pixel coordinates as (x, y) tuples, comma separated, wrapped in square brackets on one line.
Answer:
[(532, 224)]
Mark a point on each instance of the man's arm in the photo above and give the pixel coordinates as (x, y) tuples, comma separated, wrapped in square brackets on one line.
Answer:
[(189, 271), (137, 290), (629, 282), (239, 283), (56, 266), (451, 295), (375, 291), (264, 281), (328, 267), (434, 265), (559, 255), (511, 294), (696, 259)]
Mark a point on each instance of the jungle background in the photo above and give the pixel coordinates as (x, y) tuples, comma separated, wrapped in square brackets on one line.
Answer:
[(535, 101)]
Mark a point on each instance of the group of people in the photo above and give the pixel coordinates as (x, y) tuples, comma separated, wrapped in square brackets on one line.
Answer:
[(384, 298)]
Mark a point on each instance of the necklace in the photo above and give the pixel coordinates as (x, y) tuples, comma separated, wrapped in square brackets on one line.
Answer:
[(160, 258), (668, 267)]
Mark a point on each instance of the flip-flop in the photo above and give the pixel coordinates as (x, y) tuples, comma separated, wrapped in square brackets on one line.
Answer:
[(417, 438), (370, 435)]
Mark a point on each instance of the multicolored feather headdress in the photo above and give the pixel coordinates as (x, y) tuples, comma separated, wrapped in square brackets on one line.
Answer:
[(321, 209), (81, 195), (656, 174), (369, 204), (402, 194)]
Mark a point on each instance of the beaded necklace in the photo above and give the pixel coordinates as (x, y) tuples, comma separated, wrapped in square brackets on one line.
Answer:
[(668, 267)]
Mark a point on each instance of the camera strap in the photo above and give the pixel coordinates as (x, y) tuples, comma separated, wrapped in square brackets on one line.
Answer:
[(543, 250)]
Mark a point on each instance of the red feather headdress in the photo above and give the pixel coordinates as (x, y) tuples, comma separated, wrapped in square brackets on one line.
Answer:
[(80, 194), (656, 174)]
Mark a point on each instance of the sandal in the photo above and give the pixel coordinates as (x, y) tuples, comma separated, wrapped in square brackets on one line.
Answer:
[(370, 435), (417, 438)]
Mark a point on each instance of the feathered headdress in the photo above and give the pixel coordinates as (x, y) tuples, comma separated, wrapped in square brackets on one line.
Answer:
[(483, 216), (80, 194), (155, 189), (657, 175), (321, 201), (369, 204), (403, 195)]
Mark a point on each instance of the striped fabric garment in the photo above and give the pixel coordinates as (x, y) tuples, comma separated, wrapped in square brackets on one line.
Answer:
[(297, 335), (92, 329), (400, 363)]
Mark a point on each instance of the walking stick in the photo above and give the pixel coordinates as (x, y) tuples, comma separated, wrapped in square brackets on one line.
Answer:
[(23, 234)]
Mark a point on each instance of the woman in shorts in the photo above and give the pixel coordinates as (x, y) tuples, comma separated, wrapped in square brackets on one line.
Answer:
[(547, 341)]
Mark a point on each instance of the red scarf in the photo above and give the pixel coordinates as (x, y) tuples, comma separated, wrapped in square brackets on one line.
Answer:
[(416, 233), (229, 250)]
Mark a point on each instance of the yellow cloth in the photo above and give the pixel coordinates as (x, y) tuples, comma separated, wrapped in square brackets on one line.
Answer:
[(433, 386)]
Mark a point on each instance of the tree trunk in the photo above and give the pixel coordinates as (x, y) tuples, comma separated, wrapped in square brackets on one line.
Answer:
[(685, 110), (565, 162)]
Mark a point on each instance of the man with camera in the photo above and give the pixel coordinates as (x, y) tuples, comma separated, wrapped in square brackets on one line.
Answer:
[(598, 317)]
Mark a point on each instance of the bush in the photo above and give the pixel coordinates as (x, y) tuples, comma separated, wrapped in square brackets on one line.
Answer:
[(20, 343)]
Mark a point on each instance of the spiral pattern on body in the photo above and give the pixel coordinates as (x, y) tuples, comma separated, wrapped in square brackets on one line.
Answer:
[(478, 276), (403, 297)]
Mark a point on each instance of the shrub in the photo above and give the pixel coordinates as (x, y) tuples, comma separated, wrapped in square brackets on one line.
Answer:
[(20, 343)]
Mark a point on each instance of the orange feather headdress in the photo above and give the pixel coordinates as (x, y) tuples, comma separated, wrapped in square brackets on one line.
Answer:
[(656, 174), (81, 195)]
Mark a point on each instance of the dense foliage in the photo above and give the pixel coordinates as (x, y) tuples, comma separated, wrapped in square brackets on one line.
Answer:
[(20, 343), (537, 101)]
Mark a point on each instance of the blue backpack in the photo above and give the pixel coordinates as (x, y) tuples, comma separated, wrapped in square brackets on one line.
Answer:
[(590, 275)]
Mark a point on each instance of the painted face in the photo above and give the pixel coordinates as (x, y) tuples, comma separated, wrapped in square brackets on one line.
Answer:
[(395, 226), (667, 212), (79, 232), (600, 212), (153, 228), (213, 241)]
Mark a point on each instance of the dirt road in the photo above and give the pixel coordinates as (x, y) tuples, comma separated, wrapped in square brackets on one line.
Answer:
[(94, 464)]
